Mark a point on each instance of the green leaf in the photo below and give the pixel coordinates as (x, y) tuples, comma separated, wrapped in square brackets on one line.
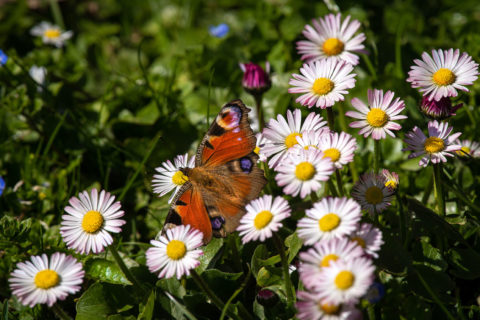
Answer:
[(209, 257), (294, 244), (439, 282), (465, 263), (269, 276), (105, 271), (260, 253), (146, 310), (429, 255)]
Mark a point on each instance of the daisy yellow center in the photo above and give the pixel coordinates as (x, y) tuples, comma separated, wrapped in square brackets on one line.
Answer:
[(176, 249), (333, 46), (291, 139), (359, 241), (322, 86), (262, 219), (444, 77), (179, 178), (305, 171), (433, 145), (328, 222), (46, 279), (52, 33), (344, 280), (310, 146), (374, 195), (377, 117), (391, 184), (332, 153), (329, 308), (326, 260), (257, 150), (463, 151), (92, 221)]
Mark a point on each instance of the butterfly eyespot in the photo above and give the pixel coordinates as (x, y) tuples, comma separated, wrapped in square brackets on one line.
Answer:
[(217, 222), (246, 164), (230, 118)]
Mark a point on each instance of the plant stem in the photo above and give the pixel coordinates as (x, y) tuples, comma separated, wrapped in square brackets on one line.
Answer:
[(376, 155), (437, 185), (57, 14), (401, 219), (332, 188), (286, 274), (124, 268), (371, 312), (314, 197), (428, 190), (60, 313), (258, 104), (330, 118), (339, 182)]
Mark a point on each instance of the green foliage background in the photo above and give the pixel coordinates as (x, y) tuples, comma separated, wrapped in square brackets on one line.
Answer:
[(138, 84)]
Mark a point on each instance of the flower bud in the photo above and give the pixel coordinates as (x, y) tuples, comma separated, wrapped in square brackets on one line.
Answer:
[(438, 110), (255, 80)]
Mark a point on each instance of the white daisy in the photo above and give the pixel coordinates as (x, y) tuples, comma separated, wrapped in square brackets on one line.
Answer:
[(317, 258), (311, 307), (302, 172), (391, 179), (323, 82), (469, 148), (260, 144), (340, 148), (175, 253), (43, 280), (369, 238), (330, 218), (51, 34), (170, 175), (436, 147), (90, 220), (309, 139), (264, 216), (444, 74), (282, 134), (329, 37), (372, 193), (377, 118), (345, 281)]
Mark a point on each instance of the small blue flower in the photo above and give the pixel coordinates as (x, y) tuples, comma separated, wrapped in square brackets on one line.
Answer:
[(3, 58), (375, 293), (2, 185), (219, 31)]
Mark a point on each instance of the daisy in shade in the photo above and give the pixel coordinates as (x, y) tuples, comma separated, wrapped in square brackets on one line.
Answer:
[(340, 148), (176, 252), (302, 172), (330, 218), (319, 257), (369, 238), (345, 281), (377, 118), (391, 179), (43, 280), (444, 74), (372, 193), (282, 134), (468, 148), (309, 139), (439, 144), (310, 307), (322, 82), (170, 176), (51, 34), (329, 37), (89, 220), (264, 216), (260, 144)]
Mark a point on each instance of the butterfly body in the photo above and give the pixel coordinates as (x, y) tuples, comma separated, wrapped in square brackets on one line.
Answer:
[(225, 177)]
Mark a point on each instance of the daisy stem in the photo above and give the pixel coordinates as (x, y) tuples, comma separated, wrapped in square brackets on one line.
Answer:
[(376, 155), (437, 185), (57, 14), (286, 274), (60, 313), (332, 188), (401, 218), (371, 311), (330, 118), (258, 104), (124, 268), (339, 182)]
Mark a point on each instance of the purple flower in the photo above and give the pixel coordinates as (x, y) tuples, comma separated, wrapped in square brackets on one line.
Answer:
[(255, 79), (438, 110)]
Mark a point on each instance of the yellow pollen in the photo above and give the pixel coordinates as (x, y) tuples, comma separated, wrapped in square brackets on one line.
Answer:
[(333, 46), (328, 222), (463, 151), (329, 308), (322, 86), (46, 279), (332, 153), (374, 195), (179, 178), (433, 145), (92, 221), (443, 77), (344, 280), (359, 241), (291, 139), (52, 33), (377, 118), (392, 184), (305, 171), (262, 219), (326, 260), (257, 150), (176, 249)]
